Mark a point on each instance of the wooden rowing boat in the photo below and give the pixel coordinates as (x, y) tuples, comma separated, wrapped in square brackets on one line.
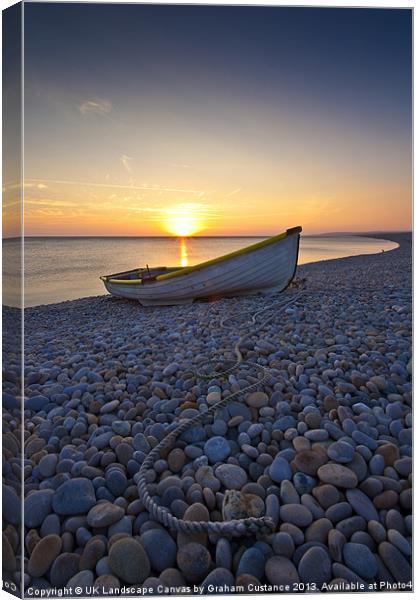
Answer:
[(265, 267)]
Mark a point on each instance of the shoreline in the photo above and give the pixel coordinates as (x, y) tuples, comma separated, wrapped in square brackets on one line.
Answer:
[(398, 237)]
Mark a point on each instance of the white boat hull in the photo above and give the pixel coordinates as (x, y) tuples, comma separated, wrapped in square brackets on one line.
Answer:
[(264, 270)]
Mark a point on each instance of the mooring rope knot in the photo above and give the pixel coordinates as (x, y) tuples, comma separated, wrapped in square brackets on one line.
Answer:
[(238, 527)]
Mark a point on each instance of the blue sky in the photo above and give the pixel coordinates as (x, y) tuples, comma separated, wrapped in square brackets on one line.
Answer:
[(276, 114)]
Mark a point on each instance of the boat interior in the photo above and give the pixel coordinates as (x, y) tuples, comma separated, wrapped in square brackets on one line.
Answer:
[(146, 274)]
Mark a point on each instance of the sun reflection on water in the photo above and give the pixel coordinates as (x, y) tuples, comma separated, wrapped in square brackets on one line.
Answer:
[(183, 253)]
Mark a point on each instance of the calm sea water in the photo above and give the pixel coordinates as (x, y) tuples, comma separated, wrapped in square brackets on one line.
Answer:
[(58, 269)]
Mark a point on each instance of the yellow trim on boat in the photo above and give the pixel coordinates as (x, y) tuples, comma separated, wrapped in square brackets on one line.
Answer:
[(126, 281), (213, 261), (219, 259)]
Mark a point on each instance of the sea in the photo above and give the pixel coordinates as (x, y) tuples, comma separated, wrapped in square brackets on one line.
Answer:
[(67, 268)]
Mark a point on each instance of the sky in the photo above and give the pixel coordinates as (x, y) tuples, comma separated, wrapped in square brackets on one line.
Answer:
[(182, 120)]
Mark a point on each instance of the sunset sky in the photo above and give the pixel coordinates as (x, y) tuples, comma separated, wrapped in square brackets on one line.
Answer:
[(147, 120)]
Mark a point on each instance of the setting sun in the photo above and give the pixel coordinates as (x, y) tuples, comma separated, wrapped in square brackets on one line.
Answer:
[(183, 220)]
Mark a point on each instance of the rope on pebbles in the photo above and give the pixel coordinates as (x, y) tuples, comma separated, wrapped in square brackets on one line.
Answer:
[(238, 527)]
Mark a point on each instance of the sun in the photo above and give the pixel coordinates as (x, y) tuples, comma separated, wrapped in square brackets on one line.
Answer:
[(182, 220)]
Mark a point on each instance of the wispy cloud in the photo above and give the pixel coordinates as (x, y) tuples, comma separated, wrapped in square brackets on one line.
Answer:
[(126, 163), (152, 188), (27, 185), (181, 166), (234, 192), (97, 106), (50, 202)]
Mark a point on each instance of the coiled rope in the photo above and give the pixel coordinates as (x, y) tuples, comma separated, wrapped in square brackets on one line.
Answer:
[(237, 527)]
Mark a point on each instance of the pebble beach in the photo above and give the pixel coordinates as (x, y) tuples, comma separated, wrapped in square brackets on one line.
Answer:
[(324, 448)]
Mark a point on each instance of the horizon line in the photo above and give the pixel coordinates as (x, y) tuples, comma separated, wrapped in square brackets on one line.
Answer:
[(324, 233)]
